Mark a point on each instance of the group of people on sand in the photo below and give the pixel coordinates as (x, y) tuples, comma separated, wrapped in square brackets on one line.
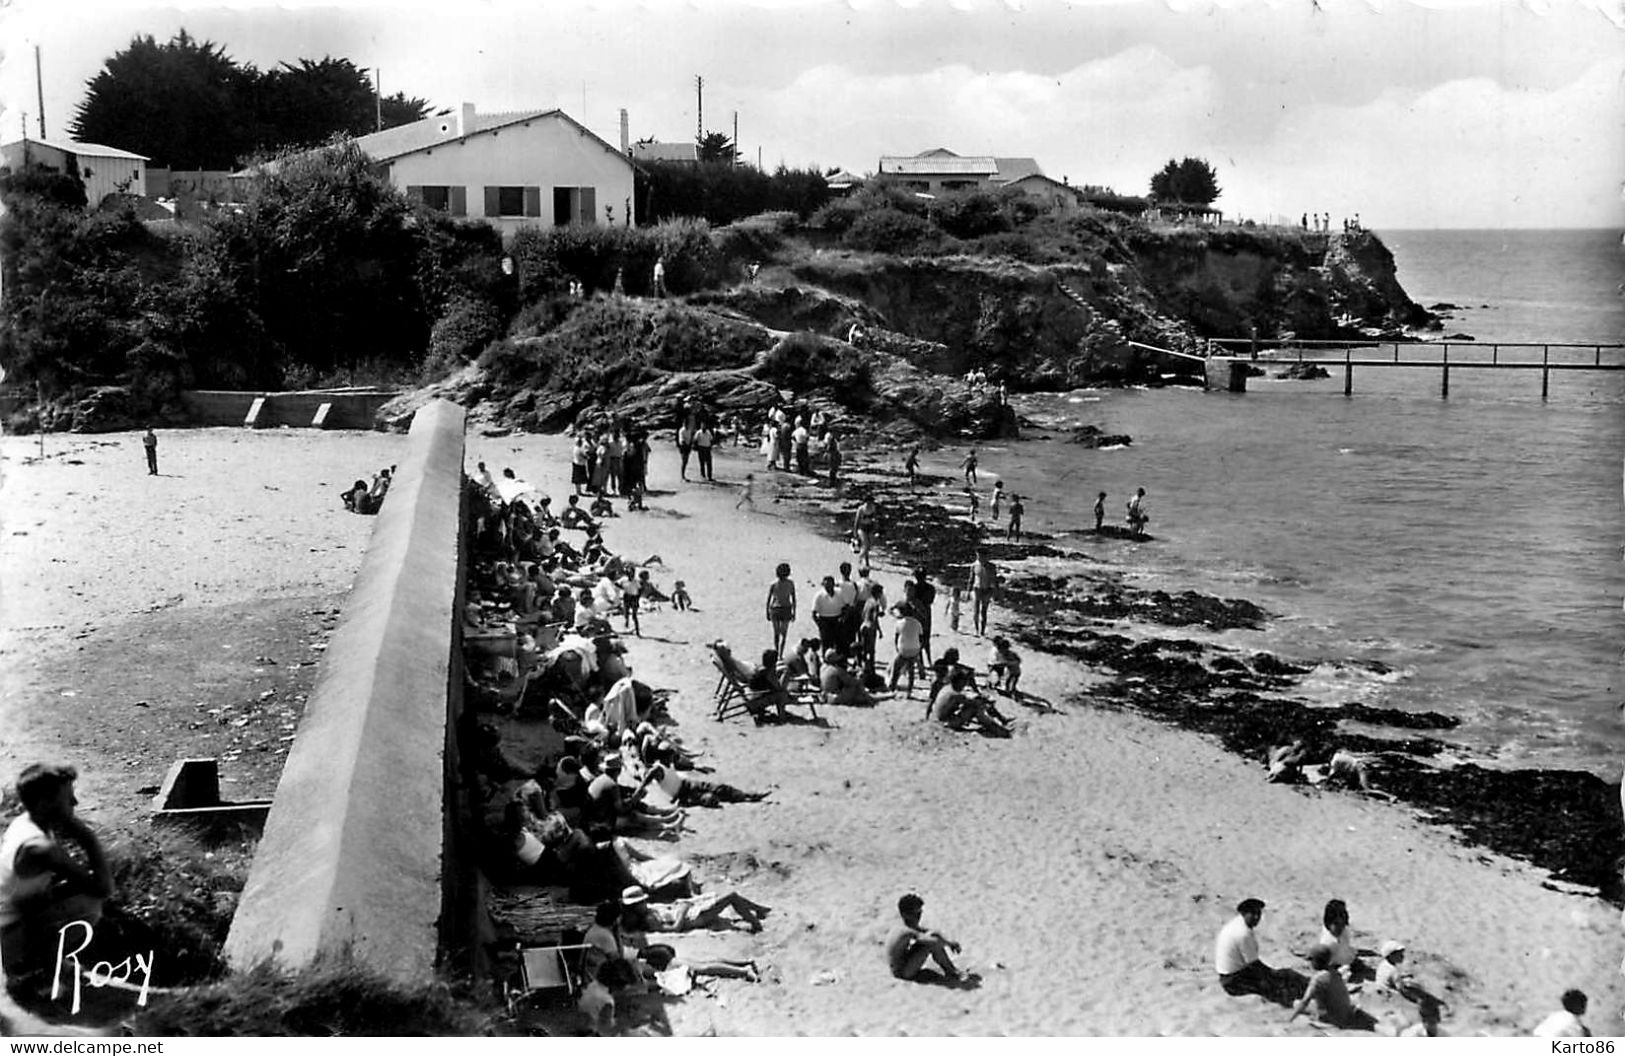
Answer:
[(610, 458), (1391, 999), (367, 498), (541, 646), (794, 440), (842, 666)]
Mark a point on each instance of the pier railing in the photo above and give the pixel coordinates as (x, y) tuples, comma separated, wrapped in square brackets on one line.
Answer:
[(1431, 355)]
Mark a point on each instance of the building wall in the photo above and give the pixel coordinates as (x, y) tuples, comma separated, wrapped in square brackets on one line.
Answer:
[(541, 156), (102, 175)]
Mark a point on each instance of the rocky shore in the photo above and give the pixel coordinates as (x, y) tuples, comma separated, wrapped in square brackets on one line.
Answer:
[(1563, 821)]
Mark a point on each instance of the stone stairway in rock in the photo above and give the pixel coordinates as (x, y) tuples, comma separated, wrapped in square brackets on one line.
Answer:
[(1072, 295)]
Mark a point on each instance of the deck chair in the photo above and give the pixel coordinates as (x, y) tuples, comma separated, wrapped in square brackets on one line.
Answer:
[(548, 972), (733, 694)]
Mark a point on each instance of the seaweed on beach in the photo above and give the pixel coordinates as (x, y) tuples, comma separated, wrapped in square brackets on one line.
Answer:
[(1566, 822)]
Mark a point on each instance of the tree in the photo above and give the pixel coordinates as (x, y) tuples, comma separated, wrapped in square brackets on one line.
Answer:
[(183, 104), (188, 105), (717, 148), (1191, 181)]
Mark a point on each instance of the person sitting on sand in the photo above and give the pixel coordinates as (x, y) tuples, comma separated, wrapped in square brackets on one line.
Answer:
[(910, 945), (1334, 934), (1391, 974), (1235, 953), (679, 597), (800, 668), (601, 506), (1286, 762), (1566, 1022), (1005, 665), (957, 710), (52, 872), (1328, 993), (839, 685), (576, 517), (359, 499), (687, 790), (688, 914), (621, 810)]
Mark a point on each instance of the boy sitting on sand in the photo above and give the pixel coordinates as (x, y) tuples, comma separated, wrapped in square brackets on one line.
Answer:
[(1005, 664), (679, 597), (909, 946)]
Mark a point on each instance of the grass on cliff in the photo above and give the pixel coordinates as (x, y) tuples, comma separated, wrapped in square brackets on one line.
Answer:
[(334, 997)]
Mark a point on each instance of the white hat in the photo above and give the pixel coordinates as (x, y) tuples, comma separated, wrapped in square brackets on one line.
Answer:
[(631, 896), (1390, 947)]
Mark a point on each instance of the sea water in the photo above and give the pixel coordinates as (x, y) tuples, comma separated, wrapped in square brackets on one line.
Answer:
[(1461, 555)]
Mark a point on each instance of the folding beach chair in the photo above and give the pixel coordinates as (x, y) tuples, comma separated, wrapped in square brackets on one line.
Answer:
[(548, 972), (734, 696)]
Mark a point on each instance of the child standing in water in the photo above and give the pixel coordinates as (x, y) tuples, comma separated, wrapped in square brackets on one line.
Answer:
[(996, 499), (975, 503), (1100, 511)]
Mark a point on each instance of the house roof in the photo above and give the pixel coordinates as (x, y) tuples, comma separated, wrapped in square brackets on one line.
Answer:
[(442, 128), (71, 146), (666, 151), (1038, 177), (1013, 169), (935, 164), (843, 178)]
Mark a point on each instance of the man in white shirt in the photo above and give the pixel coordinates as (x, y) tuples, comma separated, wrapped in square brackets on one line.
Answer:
[(1565, 1023), (1235, 952)]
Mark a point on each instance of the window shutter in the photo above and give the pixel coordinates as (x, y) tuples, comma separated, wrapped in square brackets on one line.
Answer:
[(459, 201), (493, 201), (414, 192), (589, 205), (533, 201)]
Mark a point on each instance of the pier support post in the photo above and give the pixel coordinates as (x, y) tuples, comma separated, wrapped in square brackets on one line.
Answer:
[(1545, 370), (1348, 372), (1224, 374), (1444, 378)]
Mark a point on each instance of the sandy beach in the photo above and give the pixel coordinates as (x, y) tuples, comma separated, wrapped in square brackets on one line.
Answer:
[(1085, 864)]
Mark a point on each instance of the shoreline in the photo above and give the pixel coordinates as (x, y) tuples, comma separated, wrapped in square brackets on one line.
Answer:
[(1085, 864)]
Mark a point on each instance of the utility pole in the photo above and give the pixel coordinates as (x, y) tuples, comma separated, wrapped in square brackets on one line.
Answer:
[(699, 108), (378, 97), (735, 158), (39, 91)]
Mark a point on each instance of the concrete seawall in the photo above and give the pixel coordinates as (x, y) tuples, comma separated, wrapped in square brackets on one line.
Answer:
[(351, 409), (356, 843)]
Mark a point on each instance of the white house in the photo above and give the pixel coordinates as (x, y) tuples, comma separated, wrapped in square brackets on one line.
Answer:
[(532, 167), (104, 170), (942, 170)]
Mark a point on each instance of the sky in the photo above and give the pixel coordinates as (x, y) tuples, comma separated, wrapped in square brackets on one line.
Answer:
[(1422, 114)]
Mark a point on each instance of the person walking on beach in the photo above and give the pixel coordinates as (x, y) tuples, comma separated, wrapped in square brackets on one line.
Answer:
[(746, 493), (1016, 510), (685, 441), (781, 606), (1137, 515), (1100, 511), (150, 442), (984, 583), (912, 465), (909, 946), (704, 438), (863, 528), (969, 466)]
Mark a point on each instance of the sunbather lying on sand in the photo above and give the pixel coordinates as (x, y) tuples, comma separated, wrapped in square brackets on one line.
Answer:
[(688, 914)]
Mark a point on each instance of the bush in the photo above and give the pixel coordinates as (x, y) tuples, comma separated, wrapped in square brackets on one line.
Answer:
[(466, 328), (892, 231), (545, 259), (755, 238), (804, 361), (973, 214)]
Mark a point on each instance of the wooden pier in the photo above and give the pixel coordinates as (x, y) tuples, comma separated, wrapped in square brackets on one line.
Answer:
[(1569, 356)]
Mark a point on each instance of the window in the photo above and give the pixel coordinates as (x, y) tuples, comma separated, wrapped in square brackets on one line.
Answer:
[(513, 201), (453, 200), (575, 205)]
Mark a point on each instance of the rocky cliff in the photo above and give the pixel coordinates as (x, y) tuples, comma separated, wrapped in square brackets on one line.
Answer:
[(922, 322)]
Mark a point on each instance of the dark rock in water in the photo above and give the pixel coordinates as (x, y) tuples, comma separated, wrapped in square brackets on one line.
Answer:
[(1091, 436), (1460, 337), (1444, 306), (1117, 531), (1303, 372), (1227, 663), (1266, 664), (1409, 720)]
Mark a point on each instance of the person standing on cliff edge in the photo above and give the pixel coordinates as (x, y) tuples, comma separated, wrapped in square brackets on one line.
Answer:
[(150, 442), (660, 277)]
